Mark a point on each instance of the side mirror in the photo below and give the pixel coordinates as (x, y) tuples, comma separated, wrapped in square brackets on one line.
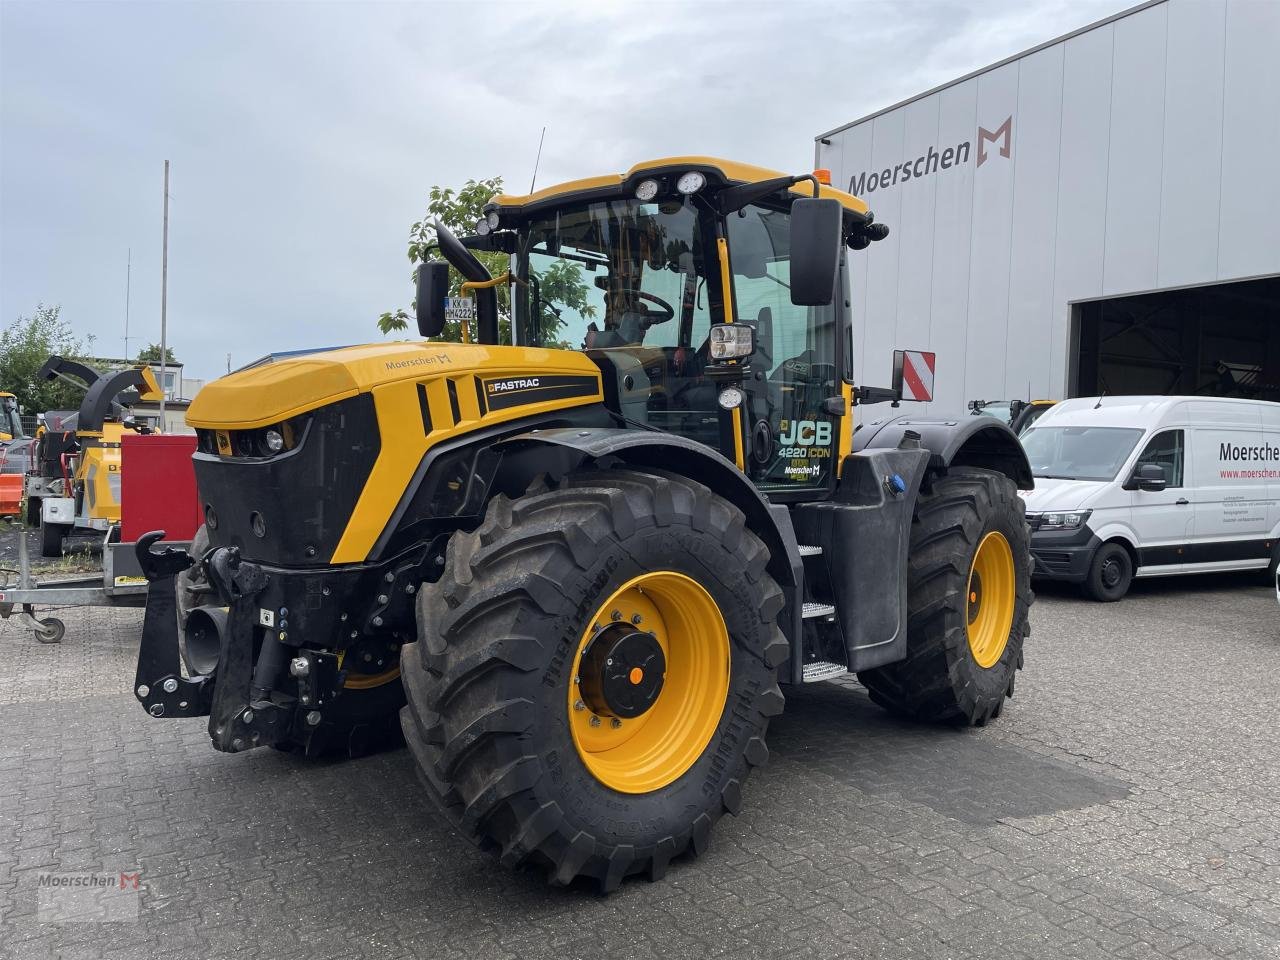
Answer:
[(1149, 476), (816, 237), (432, 288)]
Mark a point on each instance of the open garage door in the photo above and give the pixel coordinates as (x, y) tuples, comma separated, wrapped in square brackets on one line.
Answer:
[(1220, 340)]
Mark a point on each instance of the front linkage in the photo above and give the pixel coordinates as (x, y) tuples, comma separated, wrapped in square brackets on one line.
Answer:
[(264, 690)]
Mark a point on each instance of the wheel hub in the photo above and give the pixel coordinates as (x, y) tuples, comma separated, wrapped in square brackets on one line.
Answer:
[(975, 596), (621, 672)]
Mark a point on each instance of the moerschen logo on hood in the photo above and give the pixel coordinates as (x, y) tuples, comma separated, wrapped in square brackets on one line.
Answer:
[(932, 160)]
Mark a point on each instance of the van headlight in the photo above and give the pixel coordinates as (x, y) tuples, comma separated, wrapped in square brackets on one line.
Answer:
[(1072, 520)]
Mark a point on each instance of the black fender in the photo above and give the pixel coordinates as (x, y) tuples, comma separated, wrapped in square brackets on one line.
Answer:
[(658, 450), (961, 441)]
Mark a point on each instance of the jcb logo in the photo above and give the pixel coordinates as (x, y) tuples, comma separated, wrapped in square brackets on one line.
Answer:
[(806, 433)]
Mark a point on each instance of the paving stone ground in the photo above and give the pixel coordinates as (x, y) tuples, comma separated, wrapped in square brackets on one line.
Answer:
[(1126, 805)]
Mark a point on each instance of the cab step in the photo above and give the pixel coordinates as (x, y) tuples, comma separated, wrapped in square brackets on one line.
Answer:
[(812, 610), (806, 550), (823, 670)]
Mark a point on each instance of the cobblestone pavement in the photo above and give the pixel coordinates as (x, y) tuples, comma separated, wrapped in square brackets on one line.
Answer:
[(1125, 805)]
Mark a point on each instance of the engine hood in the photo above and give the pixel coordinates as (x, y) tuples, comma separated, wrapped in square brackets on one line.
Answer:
[(278, 389), (1060, 495)]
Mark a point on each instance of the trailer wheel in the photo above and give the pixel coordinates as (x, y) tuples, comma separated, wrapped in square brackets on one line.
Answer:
[(51, 538), (968, 594), (51, 630), (594, 674)]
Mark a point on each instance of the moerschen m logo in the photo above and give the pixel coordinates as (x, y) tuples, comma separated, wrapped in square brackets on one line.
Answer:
[(999, 140)]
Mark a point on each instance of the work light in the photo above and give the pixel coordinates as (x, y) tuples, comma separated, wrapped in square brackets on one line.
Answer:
[(691, 182), (646, 190), (732, 341)]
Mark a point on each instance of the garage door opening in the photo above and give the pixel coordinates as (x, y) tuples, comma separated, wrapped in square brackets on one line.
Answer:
[(1221, 340)]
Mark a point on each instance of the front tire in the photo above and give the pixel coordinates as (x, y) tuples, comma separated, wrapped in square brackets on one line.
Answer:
[(968, 595), (1110, 574), (505, 679)]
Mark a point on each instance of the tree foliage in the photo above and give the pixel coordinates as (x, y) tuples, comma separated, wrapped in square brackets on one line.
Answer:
[(25, 345), (561, 284), (151, 354)]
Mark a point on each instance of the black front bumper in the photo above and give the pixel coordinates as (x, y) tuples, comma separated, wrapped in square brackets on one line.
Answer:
[(1063, 554), (291, 643)]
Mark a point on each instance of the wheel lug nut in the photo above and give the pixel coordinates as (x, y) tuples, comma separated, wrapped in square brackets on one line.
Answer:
[(616, 615), (579, 705), (636, 618), (595, 721), (615, 723)]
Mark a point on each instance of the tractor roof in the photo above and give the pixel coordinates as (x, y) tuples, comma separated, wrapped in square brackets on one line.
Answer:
[(723, 171)]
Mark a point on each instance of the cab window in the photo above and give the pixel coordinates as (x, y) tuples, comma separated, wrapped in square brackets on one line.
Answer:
[(1165, 450)]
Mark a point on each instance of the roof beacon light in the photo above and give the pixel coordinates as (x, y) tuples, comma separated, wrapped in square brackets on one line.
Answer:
[(691, 182), (646, 190), (823, 176)]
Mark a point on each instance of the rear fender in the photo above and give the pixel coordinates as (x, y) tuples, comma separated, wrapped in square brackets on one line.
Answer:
[(967, 441)]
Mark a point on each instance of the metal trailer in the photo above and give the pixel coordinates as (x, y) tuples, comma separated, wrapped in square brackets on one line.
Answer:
[(121, 584)]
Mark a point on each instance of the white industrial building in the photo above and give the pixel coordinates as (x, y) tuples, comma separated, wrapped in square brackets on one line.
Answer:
[(1100, 213)]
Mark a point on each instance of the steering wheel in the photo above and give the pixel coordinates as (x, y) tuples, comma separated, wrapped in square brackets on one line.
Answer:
[(666, 310)]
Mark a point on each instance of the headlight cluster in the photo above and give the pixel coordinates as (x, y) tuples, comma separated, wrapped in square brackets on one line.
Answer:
[(1071, 520), (262, 442)]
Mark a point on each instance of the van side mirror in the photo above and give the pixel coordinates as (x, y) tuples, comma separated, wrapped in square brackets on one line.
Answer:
[(431, 289), (1148, 476), (816, 240)]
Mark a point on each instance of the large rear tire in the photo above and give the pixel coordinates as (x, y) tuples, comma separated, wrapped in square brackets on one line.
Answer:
[(968, 595), (595, 673)]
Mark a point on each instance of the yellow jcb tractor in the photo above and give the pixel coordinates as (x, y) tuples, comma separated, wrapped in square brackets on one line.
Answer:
[(586, 573), (76, 481)]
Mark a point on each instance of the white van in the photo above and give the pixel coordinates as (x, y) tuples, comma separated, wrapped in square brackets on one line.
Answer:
[(1151, 486)]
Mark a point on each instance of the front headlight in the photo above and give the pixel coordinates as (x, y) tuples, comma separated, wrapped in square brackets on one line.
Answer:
[(1071, 520)]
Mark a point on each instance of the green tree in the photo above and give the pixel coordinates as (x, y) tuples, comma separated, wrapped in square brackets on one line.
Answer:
[(25, 345), (151, 354), (561, 285)]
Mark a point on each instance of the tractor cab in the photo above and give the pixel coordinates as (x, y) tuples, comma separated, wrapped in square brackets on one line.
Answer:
[(676, 279)]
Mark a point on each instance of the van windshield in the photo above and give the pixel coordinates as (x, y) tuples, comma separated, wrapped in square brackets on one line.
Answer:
[(1079, 453)]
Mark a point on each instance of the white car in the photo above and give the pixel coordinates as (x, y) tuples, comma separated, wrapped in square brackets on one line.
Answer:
[(1152, 486)]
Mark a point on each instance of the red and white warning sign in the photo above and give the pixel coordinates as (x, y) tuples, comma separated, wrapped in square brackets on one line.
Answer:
[(913, 374)]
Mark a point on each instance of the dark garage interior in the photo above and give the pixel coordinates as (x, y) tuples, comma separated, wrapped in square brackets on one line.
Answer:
[(1219, 340)]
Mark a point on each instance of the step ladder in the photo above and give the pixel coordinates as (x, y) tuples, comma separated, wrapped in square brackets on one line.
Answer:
[(819, 669)]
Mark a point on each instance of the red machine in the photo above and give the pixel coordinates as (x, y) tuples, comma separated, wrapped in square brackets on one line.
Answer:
[(159, 487)]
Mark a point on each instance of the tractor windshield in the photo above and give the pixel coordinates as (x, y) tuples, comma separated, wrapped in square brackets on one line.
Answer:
[(617, 273)]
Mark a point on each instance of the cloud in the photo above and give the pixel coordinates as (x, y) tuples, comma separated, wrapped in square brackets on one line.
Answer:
[(304, 137)]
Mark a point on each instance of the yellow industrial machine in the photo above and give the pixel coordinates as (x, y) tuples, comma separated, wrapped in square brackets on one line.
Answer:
[(77, 479), (586, 562), (10, 421)]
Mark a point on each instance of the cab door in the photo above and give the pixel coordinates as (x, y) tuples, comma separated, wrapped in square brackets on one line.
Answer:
[(1163, 519), (793, 439)]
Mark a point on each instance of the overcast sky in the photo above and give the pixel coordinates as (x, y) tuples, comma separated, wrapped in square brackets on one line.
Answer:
[(304, 136)]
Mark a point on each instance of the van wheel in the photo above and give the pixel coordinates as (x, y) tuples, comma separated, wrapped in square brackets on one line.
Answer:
[(1110, 573)]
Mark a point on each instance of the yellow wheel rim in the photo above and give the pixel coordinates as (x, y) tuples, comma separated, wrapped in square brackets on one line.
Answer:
[(992, 594), (648, 751)]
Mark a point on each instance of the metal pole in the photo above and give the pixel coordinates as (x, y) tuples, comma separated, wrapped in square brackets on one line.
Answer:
[(164, 295), (128, 277)]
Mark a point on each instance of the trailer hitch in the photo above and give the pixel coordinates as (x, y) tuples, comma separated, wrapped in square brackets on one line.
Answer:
[(158, 683)]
